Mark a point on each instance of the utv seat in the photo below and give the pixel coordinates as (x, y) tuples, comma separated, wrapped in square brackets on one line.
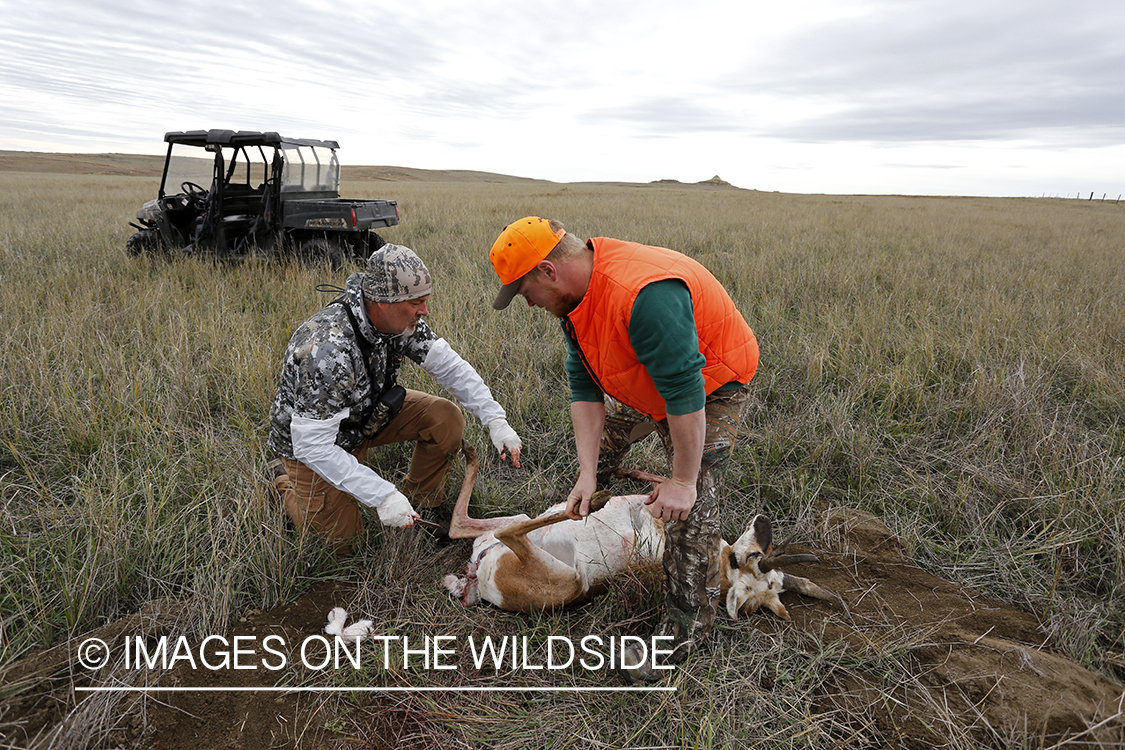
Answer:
[(242, 202)]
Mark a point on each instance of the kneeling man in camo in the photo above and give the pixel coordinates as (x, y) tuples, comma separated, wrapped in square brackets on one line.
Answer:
[(657, 333), (338, 397)]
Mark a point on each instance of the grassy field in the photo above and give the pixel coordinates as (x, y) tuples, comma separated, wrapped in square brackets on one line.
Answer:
[(955, 366)]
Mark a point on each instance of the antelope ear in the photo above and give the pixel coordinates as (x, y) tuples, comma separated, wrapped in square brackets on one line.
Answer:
[(763, 532), (732, 603), (733, 560)]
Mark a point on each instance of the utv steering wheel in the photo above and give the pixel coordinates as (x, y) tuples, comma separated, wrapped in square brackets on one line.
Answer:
[(195, 192)]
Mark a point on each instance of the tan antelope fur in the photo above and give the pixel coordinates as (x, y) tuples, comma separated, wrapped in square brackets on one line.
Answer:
[(524, 564)]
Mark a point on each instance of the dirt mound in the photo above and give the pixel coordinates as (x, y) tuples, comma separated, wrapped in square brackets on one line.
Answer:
[(44, 710), (979, 670)]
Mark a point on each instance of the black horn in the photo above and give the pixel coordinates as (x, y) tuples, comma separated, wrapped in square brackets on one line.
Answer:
[(766, 564)]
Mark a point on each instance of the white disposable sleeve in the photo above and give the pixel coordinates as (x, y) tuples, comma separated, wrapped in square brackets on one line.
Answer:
[(314, 445), (459, 378)]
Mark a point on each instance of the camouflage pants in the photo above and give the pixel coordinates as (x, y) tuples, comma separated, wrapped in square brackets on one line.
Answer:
[(691, 547)]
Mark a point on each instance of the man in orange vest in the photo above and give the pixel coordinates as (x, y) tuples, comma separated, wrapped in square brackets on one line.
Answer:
[(656, 332)]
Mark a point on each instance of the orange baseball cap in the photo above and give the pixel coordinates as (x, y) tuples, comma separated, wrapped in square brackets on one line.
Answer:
[(517, 250)]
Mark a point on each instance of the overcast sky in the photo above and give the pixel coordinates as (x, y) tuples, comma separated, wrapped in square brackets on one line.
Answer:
[(941, 97)]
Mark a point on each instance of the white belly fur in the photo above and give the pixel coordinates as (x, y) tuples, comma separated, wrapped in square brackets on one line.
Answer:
[(621, 534)]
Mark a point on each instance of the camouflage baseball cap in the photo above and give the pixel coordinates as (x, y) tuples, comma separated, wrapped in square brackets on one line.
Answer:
[(395, 274)]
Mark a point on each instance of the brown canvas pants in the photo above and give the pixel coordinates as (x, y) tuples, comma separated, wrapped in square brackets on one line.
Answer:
[(435, 425), (691, 547)]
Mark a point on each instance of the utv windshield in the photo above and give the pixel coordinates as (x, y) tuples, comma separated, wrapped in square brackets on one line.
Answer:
[(247, 165), (310, 169), (188, 164)]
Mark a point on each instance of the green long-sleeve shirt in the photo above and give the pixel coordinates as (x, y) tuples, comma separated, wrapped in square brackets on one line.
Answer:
[(662, 332)]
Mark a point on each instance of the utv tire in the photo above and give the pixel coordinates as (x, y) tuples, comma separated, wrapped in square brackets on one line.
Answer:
[(321, 250), (144, 242)]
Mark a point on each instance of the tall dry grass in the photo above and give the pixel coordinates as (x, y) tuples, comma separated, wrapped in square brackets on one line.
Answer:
[(955, 366), (134, 397)]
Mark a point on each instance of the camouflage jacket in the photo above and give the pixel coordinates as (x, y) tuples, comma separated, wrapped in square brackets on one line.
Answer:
[(323, 371)]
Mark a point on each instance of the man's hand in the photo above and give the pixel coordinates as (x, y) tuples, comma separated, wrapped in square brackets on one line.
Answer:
[(505, 439), (671, 500), (578, 501), (396, 510)]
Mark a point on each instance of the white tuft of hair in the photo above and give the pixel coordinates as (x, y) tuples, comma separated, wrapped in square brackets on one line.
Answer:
[(454, 585)]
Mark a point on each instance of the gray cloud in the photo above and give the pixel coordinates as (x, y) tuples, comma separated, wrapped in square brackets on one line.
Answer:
[(184, 58), (910, 72), (667, 115), (1073, 119), (922, 71)]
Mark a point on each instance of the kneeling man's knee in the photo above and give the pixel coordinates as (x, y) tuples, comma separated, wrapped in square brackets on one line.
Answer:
[(447, 424)]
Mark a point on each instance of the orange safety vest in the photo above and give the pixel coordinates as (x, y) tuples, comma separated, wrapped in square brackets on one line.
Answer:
[(600, 323)]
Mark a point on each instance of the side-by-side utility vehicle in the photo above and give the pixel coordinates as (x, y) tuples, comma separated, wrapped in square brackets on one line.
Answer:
[(236, 194)]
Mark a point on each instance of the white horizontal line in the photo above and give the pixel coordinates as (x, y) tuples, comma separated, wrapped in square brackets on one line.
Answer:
[(128, 689)]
